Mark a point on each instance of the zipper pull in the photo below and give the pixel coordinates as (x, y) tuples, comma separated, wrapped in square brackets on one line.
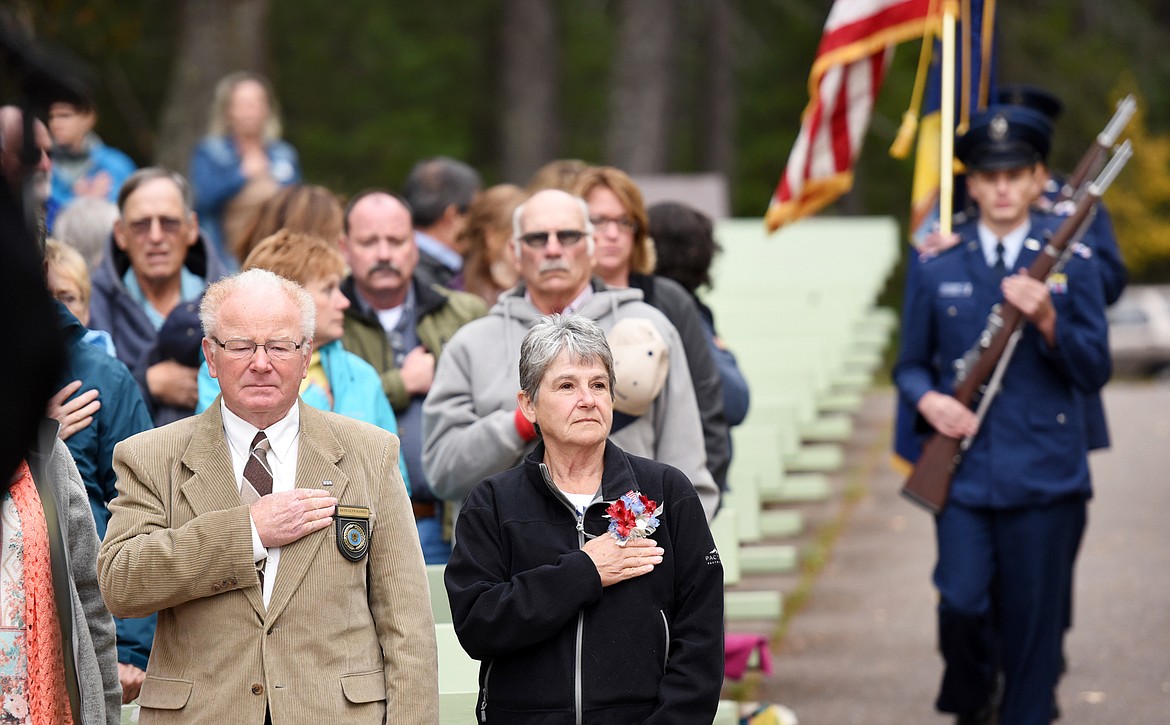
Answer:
[(581, 524)]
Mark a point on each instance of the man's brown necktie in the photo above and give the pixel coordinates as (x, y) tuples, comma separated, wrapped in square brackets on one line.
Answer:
[(257, 481)]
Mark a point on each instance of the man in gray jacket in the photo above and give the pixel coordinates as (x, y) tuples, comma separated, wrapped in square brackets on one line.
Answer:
[(471, 425)]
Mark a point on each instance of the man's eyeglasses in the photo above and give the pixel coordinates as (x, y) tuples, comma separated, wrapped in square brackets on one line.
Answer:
[(141, 227), (625, 225), (567, 237), (276, 349)]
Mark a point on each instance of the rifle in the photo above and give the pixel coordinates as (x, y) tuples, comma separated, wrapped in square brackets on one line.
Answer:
[(929, 484), (1126, 107)]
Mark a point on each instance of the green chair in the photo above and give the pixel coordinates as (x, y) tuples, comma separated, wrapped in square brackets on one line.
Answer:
[(440, 605)]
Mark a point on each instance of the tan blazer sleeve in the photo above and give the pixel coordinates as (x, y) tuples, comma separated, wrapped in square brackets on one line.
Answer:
[(162, 549), (401, 604)]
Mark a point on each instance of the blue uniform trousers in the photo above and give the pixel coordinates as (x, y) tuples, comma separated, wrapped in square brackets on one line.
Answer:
[(1002, 577)]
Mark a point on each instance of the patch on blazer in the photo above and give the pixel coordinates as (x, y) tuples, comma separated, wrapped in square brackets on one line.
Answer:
[(1058, 283), (353, 531), (1082, 250), (955, 289)]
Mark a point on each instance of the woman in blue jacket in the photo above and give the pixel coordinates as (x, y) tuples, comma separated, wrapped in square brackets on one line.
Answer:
[(338, 380), (242, 161)]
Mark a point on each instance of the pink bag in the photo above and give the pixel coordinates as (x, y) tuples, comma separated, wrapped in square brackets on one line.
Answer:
[(738, 649)]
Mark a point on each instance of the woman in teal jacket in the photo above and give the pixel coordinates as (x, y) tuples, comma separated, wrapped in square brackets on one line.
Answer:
[(338, 380)]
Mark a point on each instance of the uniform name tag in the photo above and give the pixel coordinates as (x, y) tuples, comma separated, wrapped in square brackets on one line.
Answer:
[(955, 289), (353, 531)]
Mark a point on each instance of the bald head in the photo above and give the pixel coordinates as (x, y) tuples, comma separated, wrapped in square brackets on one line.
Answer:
[(544, 200), (553, 240), (379, 248)]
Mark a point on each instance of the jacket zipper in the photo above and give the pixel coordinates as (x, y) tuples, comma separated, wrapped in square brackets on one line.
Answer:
[(666, 631), (483, 705), (577, 694), (578, 706)]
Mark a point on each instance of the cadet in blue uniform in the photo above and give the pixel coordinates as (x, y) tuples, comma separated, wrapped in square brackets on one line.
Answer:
[(1017, 504), (1099, 237)]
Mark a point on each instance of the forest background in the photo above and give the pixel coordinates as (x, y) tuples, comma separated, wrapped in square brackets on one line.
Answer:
[(368, 88)]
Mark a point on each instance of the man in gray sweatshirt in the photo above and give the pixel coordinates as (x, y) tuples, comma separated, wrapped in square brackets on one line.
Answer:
[(471, 425)]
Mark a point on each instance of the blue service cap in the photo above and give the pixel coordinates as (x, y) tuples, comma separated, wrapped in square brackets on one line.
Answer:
[(1032, 97), (1004, 137)]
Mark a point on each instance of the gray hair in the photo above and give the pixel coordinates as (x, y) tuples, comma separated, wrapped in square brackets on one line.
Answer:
[(150, 173), (435, 184), (580, 337), (257, 280), (86, 223), (518, 219)]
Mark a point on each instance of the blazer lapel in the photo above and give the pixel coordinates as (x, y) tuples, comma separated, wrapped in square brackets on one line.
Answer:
[(318, 452), (212, 485)]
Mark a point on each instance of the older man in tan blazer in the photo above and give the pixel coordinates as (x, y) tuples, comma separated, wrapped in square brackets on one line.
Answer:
[(275, 541)]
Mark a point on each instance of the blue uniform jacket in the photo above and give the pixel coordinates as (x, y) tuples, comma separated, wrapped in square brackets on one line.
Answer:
[(357, 393), (1032, 445)]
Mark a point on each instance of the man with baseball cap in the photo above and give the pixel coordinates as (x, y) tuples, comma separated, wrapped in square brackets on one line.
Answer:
[(472, 427), (1019, 495)]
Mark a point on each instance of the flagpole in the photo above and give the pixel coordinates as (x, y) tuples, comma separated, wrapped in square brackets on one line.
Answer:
[(946, 181)]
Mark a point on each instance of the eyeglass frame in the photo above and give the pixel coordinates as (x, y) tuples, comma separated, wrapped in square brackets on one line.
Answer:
[(539, 240), (602, 222), (239, 354), (168, 224)]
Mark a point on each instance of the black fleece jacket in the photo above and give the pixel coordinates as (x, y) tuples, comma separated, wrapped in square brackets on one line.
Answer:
[(557, 647)]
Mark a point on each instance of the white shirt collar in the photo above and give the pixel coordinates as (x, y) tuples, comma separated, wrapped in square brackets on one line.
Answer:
[(282, 434), (1013, 242)]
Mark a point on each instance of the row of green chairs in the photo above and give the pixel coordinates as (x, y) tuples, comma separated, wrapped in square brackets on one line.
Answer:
[(798, 311)]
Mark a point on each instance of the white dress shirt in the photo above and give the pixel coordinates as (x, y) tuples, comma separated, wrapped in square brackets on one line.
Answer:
[(282, 459), (1013, 242)]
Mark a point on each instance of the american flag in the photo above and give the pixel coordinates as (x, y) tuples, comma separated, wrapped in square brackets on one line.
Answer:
[(851, 62)]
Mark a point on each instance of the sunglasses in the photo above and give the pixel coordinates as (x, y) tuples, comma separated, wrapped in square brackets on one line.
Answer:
[(567, 237), (142, 227)]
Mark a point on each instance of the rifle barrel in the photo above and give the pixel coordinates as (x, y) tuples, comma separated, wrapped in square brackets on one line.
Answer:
[(1126, 107), (1112, 169)]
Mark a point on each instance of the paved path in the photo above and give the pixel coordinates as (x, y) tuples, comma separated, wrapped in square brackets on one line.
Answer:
[(863, 649)]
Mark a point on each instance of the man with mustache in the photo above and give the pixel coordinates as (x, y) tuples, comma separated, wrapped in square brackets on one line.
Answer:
[(471, 422), (399, 323)]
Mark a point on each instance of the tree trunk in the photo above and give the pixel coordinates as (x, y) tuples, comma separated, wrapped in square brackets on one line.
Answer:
[(217, 37), (638, 139), (528, 78), (718, 108)]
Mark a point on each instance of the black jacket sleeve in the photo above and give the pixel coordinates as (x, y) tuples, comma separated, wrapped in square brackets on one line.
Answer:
[(689, 690), (680, 308), (496, 612)]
